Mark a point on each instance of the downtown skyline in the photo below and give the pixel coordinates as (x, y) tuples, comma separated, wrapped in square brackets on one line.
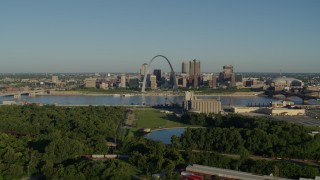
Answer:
[(105, 36)]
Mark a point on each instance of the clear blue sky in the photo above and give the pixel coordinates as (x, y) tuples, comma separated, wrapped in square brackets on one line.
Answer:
[(119, 36)]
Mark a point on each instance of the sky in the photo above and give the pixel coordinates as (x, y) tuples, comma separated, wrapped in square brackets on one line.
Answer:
[(119, 36)]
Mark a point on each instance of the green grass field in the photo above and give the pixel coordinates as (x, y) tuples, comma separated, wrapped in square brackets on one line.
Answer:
[(153, 118)]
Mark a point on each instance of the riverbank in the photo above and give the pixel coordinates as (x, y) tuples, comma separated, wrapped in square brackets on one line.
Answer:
[(166, 93)]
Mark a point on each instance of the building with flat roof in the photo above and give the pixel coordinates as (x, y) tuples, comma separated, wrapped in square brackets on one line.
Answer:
[(123, 81), (153, 82), (90, 82), (185, 67), (55, 79), (144, 69), (195, 104)]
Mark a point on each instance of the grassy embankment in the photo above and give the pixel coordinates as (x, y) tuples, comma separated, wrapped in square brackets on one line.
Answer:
[(153, 119)]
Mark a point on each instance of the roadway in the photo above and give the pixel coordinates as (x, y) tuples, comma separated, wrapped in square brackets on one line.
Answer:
[(227, 173), (312, 118)]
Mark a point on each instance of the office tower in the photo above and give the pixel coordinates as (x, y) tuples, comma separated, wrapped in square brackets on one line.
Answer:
[(196, 81), (123, 81), (194, 72), (55, 79), (227, 71), (144, 69), (184, 82), (214, 81), (191, 68), (185, 67), (157, 73), (153, 81), (134, 83), (194, 67), (238, 78), (233, 80)]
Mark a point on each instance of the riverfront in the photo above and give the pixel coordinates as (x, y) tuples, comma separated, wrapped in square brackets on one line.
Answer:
[(144, 99)]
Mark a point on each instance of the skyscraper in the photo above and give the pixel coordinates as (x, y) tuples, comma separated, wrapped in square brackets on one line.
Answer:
[(194, 67), (144, 69), (214, 81), (194, 72), (233, 80), (157, 73), (191, 68), (153, 82), (185, 67), (227, 71), (123, 81)]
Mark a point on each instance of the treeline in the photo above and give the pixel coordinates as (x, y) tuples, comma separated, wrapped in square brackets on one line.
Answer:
[(256, 135), (40, 139), (263, 167), (47, 142), (154, 157)]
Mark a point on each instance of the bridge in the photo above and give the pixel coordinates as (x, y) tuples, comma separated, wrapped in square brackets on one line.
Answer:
[(17, 94), (304, 95)]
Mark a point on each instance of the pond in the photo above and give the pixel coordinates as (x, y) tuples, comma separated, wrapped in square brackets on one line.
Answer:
[(165, 135)]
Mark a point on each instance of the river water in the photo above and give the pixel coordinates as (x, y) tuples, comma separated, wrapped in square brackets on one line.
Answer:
[(143, 100)]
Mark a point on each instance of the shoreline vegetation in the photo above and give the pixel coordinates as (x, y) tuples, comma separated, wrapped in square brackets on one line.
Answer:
[(148, 93)]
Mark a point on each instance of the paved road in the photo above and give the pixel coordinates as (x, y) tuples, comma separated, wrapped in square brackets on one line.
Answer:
[(311, 119), (227, 173)]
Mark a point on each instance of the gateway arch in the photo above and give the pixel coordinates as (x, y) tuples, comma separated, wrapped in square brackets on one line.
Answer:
[(173, 74)]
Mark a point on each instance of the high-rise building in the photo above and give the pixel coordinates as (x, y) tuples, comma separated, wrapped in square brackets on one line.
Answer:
[(233, 80), (185, 67), (191, 68), (144, 69), (55, 79), (196, 81), (194, 67), (213, 82), (238, 78), (153, 81), (157, 73), (227, 71), (184, 82), (123, 81), (194, 72)]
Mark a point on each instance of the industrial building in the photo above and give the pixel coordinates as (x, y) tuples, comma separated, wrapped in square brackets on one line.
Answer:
[(278, 108), (195, 104)]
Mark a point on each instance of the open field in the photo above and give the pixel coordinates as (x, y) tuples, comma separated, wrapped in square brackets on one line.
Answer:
[(153, 118)]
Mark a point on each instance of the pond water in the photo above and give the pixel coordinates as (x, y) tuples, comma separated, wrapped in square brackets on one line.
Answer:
[(165, 134)]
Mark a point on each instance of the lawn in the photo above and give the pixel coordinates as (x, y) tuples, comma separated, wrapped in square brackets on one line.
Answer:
[(153, 118)]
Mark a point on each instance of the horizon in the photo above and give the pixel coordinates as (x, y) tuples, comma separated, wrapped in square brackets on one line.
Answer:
[(101, 36)]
